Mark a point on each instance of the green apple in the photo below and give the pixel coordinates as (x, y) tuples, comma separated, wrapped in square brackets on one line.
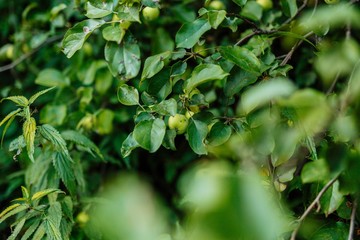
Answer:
[(82, 218), (150, 14), (217, 5), (179, 122), (265, 4)]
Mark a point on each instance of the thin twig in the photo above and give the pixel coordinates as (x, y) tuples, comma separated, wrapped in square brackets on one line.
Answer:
[(255, 32), (312, 205), (27, 55), (352, 220), (331, 88), (291, 52)]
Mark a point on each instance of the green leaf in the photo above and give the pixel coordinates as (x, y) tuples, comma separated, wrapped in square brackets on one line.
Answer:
[(98, 8), (331, 231), (17, 143), (190, 33), (51, 134), (82, 141), (216, 18), (64, 169), (52, 231), (197, 132), (315, 171), (40, 232), (51, 77), (332, 199), (38, 94), (104, 121), (75, 37), (237, 81), (31, 229), (169, 139), (53, 114), (166, 107), (310, 144), (12, 210), (43, 193), (18, 100), (10, 115), (204, 73), (150, 134), (123, 59), (252, 10), (128, 145), (240, 2), (242, 57), (265, 92), (29, 131), (17, 230), (128, 95), (25, 192), (55, 214), (127, 13), (113, 33), (154, 64), (218, 134), (289, 7)]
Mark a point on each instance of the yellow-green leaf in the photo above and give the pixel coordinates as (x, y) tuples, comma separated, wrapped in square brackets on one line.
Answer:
[(39, 195), (29, 130), (19, 100)]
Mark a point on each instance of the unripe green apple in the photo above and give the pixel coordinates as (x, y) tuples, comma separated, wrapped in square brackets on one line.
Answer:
[(179, 122), (82, 218), (217, 5), (150, 14), (265, 4)]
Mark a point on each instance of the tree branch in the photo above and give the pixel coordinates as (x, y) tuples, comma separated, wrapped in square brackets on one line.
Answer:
[(312, 205), (27, 55), (352, 220)]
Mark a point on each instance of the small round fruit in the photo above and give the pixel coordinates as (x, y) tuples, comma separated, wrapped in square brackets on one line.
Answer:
[(88, 50), (150, 14), (265, 4), (217, 5), (82, 218), (179, 122)]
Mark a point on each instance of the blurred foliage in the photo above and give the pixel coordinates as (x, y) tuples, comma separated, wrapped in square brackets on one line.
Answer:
[(214, 119)]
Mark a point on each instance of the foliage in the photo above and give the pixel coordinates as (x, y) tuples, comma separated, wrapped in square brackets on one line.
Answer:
[(239, 115)]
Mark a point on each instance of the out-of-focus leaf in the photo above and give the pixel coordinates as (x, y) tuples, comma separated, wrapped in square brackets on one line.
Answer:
[(289, 7), (315, 171), (51, 77), (265, 92)]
